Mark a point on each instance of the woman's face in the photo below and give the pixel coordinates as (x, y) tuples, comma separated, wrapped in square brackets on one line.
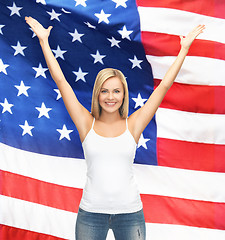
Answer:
[(111, 95)]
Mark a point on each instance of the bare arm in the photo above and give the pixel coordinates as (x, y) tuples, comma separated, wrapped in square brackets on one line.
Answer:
[(140, 119), (80, 115)]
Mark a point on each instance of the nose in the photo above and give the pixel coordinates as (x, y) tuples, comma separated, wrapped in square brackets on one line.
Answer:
[(110, 96)]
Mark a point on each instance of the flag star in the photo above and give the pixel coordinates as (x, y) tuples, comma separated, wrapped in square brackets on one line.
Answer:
[(81, 2), (125, 33), (59, 53), (3, 67), (19, 49), (1, 26), (41, 1), (139, 101), (54, 15), (142, 142), (58, 94), (43, 111), (98, 57), (64, 132), (22, 89), (114, 42), (80, 75), (120, 3), (102, 17), (76, 36), (40, 71), (136, 62), (26, 128), (6, 106), (89, 25), (14, 9), (67, 12), (34, 34)]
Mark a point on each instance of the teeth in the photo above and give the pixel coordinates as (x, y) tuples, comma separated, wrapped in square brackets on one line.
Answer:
[(110, 103)]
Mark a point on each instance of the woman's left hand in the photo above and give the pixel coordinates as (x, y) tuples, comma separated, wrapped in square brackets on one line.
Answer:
[(186, 42)]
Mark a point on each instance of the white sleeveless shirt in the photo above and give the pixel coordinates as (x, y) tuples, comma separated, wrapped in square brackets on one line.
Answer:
[(110, 186)]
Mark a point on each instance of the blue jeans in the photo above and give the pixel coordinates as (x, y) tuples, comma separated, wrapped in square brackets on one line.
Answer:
[(95, 226)]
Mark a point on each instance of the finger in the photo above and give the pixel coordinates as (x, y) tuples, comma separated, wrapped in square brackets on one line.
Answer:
[(50, 28), (198, 28), (30, 21)]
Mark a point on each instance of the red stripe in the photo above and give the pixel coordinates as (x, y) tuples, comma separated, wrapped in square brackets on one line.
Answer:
[(12, 233), (36, 191), (213, 8), (195, 156), (161, 44), (169, 210), (207, 99), (157, 209)]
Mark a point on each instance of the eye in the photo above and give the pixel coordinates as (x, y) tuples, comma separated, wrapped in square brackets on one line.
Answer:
[(117, 91), (103, 91)]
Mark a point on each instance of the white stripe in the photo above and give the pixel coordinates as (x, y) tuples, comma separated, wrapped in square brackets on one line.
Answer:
[(38, 218), (17, 213), (178, 232), (193, 127), (151, 179), (177, 22), (59, 170), (195, 70), (180, 183)]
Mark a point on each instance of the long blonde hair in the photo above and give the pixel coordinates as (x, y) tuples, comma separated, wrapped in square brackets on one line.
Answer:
[(102, 76)]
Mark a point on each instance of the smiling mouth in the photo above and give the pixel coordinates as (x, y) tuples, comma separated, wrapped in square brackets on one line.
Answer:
[(110, 103)]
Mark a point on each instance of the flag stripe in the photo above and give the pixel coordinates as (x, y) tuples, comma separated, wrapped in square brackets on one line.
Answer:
[(36, 191), (154, 19), (180, 183), (208, 99), (43, 167), (188, 212), (68, 199), (166, 231), (37, 218), (193, 70), (192, 127), (8, 232), (154, 44), (29, 167), (214, 8), (195, 156)]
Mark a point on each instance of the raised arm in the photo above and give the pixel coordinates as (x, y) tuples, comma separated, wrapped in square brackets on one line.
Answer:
[(80, 115), (140, 119)]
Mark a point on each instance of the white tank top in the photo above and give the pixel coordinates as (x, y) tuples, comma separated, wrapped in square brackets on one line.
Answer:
[(110, 186)]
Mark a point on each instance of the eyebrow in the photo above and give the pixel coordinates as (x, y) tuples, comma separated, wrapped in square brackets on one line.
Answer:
[(113, 89)]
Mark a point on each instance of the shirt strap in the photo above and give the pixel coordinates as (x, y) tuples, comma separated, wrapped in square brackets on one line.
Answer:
[(93, 123), (126, 124)]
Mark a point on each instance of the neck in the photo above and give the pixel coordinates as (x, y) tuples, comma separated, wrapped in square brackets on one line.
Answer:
[(110, 117)]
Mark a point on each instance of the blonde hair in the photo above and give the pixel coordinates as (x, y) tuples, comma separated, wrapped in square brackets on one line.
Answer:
[(102, 76)]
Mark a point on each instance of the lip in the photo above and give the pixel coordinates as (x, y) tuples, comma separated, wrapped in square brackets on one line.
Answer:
[(110, 103)]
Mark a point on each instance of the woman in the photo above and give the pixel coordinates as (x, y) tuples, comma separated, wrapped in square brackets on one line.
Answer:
[(109, 138)]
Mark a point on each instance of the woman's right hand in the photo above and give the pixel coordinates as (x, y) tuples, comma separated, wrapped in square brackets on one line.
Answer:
[(41, 32)]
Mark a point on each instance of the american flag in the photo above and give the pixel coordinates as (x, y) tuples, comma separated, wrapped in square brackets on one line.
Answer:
[(179, 163)]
